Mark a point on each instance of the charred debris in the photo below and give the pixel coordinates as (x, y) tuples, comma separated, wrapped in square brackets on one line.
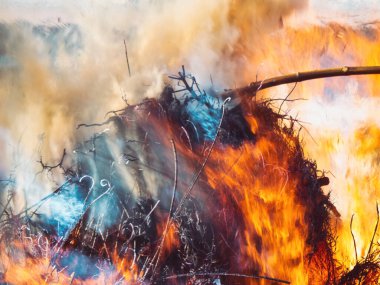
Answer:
[(124, 198)]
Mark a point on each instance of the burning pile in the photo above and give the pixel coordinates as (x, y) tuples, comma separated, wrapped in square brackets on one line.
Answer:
[(189, 188)]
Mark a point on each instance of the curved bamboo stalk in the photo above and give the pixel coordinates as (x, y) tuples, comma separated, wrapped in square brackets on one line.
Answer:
[(254, 87)]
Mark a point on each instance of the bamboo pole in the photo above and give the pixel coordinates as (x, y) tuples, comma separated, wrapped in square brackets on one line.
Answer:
[(254, 87)]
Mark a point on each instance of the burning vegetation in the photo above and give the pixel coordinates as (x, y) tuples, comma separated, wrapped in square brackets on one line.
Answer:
[(183, 182), (184, 189)]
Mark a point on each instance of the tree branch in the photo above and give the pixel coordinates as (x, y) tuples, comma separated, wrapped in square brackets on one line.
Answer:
[(254, 87)]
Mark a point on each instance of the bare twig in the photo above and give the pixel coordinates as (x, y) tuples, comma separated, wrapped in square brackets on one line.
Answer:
[(96, 124), (151, 211), (72, 278), (286, 98), (169, 220), (51, 167), (188, 191), (79, 220), (6, 206), (374, 232), (115, 112), (43, 200), (126, 55), (353, 238), (175, 178), (182, 77), (216, 274)]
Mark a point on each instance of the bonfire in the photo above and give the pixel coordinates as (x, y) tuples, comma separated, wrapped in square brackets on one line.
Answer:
[(195, 185), (242, 191)]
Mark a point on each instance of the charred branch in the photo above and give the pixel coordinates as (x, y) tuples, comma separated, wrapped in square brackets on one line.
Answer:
[(323, 181), (95, 124), (51, 167)]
